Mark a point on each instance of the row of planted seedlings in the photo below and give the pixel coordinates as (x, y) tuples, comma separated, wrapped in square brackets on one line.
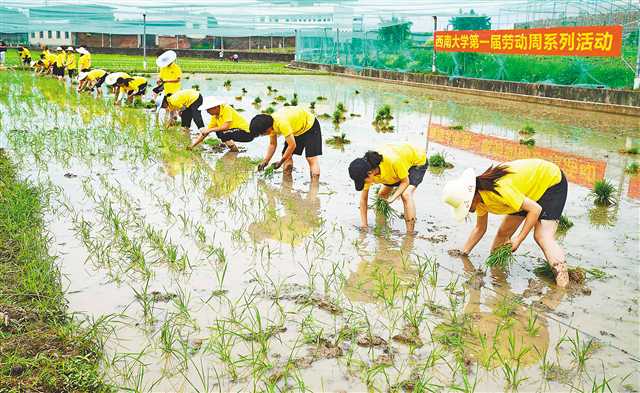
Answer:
[(376, 342)]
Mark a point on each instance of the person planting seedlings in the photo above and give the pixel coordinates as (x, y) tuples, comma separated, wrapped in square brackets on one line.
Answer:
[(301, 131), (532, 191), (93, 80), (400, 169), (112, 82), (229, 125), (58, 65), (70, 63), (184, 103), (25, 55), (170, 73), (84, 62)]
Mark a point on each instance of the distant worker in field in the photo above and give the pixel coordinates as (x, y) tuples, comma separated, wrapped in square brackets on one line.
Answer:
[(532, 191), (93, 80), (399, 168), (3, 52), (43, 66), (58, 65), (170, 73), (70, 64), (184, 103), (25, 55), (229, 125), (49, 59), (235, 57), (84, 62), (301, 132)]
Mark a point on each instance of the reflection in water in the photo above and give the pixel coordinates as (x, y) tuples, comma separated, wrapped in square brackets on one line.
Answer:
[(388, 275), (230, 172), (603, 216), (287, 218)]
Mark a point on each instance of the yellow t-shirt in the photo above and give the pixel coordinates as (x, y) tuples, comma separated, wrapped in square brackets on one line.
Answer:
[(71, 61), (227, 113), (169, 73), (292, 120), (61, 59), (94, 75), (25, 53), (183, 99), (84, 63), (49, 58), (134, 85), (397, 159), (528, 178)]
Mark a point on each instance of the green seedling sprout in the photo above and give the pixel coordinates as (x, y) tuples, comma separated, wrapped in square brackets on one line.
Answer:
[(457, 127), (527, 130), (564, 224), (227, 84), (382, 207), (530, 142), (603, 193), (633, 168), (502, 257)]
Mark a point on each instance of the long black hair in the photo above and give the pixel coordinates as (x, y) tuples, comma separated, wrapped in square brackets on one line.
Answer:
[(487, 181), (373, 158)]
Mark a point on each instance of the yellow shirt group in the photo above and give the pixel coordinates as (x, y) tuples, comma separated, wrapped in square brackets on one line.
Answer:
[(61, 59), (528, 178), (49, 58), (134, 85), (71, 61), (94, 75), (228, 114), (397, 159), (292, 120), (24, 53), (183, 99), (84, 63), (169, 73)]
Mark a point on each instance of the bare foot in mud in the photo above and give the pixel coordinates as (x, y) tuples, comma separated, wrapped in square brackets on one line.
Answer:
[(457, 253)]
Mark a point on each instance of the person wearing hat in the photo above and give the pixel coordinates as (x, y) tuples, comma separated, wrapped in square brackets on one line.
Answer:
[(72, 67), (532, 191), (131, 86), (58, 65), (84, 62), (93, 80), (301, 132), (170, 73), (49, 60), (43, 65), (111, 81), (229, 125), (25, 55), (186, 103), (396, 166)]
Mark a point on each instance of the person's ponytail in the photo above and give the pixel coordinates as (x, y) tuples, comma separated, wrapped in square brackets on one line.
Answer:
[(373, 158), (487, 181)]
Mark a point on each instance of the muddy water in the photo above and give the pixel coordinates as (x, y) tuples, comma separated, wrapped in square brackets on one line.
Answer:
[(271, 283)]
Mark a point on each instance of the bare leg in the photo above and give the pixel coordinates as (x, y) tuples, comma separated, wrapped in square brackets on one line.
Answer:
[(409, 208), (544, 234), (232, 146), (288, 165), (385, 191), (314, 166), (506, 230)]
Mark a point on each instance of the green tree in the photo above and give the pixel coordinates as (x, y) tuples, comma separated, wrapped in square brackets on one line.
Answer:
[(394, 32), (470, 21)]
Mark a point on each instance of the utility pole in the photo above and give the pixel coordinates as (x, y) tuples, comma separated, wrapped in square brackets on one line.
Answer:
[(433, 57), (144, 41), (338, 46), (636, 82)]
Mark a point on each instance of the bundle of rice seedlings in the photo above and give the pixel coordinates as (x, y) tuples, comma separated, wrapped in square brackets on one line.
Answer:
[(632, 168), (269, 110), (294, 100), (340, 107), (577, 275), (227, 83), (564, 224), (528, 142), (321, 98), (527, 130), (195, 87), (312, 105), (269, 171), (502, 257), (338, 117), (244, 91), (438, 160), (382, 207), (457, 127), (603, 193), (383, 114), (257, 101), (339, 140)]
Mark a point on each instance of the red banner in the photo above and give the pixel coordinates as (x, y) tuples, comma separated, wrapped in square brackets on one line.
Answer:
[(556, 41)]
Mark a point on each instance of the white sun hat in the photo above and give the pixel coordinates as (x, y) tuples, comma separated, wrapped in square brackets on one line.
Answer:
[(210, 102), (59, 48), (166, 58), (82, 76), (459, 193), (83, 51), (159, 101), (111, 79), (70, 48)]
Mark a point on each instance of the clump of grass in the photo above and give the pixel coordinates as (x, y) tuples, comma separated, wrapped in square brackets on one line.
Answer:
[(339, 140), (383, 119), (603, 193), (438, 160), (269, 110), (527, 130), (632, 150), (383, 208), (528, 142), (633, 168), (227, 83), (338, 117), (457, 127), (294, 100), (564, 224), (502, 257), (257, 101), (271, 90)]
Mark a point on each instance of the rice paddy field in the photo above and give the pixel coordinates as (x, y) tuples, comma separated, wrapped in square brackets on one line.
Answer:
[(200, 274)]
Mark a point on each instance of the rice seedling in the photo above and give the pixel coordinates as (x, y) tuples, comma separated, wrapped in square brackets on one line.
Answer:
[(382, 207), (603, 193), (244, 91), (294, 100), (269, 110), (312, 105), (527, 130), (564, 224), (227, 84), (383, 118), (580, 350), (631, 150), (438, 160), (324, 116), (633, 168), (321, 98), (338, 117), (339, 140), (280, 98), (530, 142), (195, 87), (502, 257), (532, 328), (341, 107), (257, 101), (457, 127), (356, 92)]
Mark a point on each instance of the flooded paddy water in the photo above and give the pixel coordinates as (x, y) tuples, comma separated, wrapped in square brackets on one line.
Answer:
[(204, 275)]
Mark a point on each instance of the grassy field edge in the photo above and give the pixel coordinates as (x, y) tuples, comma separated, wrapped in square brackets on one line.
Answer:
[(42, 349)]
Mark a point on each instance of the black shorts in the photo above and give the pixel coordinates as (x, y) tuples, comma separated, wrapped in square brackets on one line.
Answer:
[(100, 81), (58, 71), (85, 70), (310, 142), (192, 113), (27, 60), (158, 89), (141, 90), (72, 73), (552, 201), (236, 134), (416, 174)]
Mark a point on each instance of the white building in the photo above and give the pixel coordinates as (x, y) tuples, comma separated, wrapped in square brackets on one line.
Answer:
[(51, 38)]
